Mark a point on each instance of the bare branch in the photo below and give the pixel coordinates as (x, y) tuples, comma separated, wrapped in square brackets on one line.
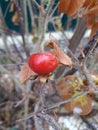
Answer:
[(36, 3), (50, 120), (38, 121)]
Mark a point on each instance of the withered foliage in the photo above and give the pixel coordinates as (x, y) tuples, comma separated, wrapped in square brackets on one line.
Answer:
[(90, 11)]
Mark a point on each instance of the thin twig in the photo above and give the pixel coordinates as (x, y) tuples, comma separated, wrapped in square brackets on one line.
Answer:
[(37, 121), (6, 11), (21, 22), (50, 120), (26, 104), (48, 9), (53, 106), (33, 23), (91, 51), (12, 64), (36, 3), (89, 79), (53, 11), (65, 101)]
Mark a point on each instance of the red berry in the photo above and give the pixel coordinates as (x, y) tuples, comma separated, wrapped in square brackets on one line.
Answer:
[(43, 63)]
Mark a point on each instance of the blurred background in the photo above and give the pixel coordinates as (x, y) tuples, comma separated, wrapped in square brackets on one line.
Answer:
[(25, 28)]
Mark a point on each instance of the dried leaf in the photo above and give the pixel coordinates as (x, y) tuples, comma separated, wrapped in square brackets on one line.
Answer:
[(93, 10), (26, 73), (94, 29), (65, 90), (70, 7), (67, 106), (81, 105), (15, 18), (84, 103), (62, 57), (89, 3), (68, 85), (12, 7), (90, 20)]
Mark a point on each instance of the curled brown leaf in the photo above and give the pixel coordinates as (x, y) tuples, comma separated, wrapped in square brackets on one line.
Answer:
[(70, 7), (26, 73), (62, 57), (15, 18), (89, 3), (94, 29)]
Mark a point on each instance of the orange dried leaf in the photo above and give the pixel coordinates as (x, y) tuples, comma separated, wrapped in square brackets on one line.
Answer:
[(15, 18), (90, 20), (26, 73), (89, 3), (94, 29), (68, 85), (62, 57), (70, 7), (64, 89), (93, 10)]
